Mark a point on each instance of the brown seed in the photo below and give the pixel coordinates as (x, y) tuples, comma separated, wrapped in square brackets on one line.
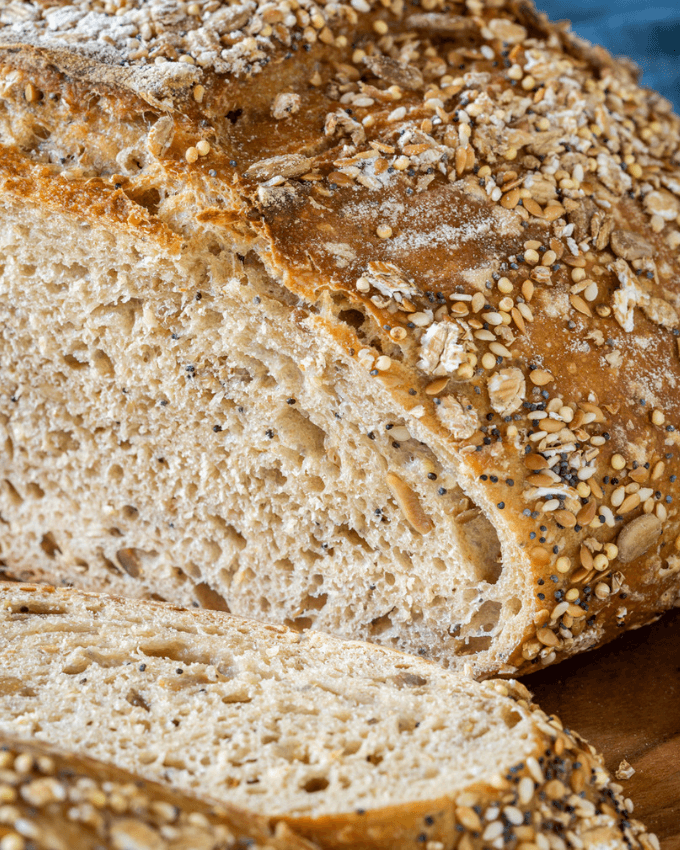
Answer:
[(553, 212), (540, 377), (531, 649), (588, 407), (637, 536), (540, 480), (548, 637), (518, 320), (629, 503), (468, 818), (533, 208), (436, 386), (555, 790), (576, 611), (565, 518), (586, 557), (577, 781), (595, 488), (552, 426), (461, 161), (535, 462), (639, 475), (511, 199), (658, 470), (579, 304)]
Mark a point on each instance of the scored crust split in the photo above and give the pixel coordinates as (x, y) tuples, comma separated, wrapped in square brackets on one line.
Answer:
[(360, 317), (284, 738)]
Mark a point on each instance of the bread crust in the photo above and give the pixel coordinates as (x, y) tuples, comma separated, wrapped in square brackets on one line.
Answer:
[(602, 372), (560, 788)]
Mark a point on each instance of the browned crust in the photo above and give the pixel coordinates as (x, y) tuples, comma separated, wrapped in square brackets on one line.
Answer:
[(570, 341)]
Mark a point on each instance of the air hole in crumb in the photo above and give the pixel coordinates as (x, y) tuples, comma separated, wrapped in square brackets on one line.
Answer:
[(149, 199), (299, 624), (481, 545), (474, 644), (511, 718), (129, 560), (486, 618), (74, 363), (233, 115), (314, 603), (49, 545), (380, 624), (317, 783), (209, 598), (34, 490), (353, 318), (13, 494), (374, 758), (116, 473)]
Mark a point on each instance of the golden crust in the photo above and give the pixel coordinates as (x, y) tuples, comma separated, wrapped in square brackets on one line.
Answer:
[(502, 200)]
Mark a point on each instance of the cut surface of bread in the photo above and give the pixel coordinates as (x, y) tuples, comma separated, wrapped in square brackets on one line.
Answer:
[(354, 317), (54, 800), (344, 743)]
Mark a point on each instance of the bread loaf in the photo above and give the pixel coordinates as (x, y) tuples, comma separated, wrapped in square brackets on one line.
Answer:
[(341, 743), (53, 800), (353, 316)]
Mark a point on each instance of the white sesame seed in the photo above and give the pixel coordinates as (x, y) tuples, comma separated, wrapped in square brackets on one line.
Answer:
[(618, 462), (23, 763), (400, 433), (363, 285), (199, 93), (525, 790), (534, 769), (12, 841), (420, 320)]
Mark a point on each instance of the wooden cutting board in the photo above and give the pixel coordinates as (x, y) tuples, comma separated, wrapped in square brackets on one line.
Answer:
[(625, 700)]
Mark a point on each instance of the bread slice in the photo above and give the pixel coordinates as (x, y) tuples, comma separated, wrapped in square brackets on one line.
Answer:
[(54, 800), (353, 316), (345, 744)]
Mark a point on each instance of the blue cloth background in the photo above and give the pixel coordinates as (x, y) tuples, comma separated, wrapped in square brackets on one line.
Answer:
[(648, 32)]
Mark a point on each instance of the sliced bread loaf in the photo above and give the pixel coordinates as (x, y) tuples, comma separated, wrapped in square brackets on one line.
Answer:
[(346, 315), (346, 744)]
